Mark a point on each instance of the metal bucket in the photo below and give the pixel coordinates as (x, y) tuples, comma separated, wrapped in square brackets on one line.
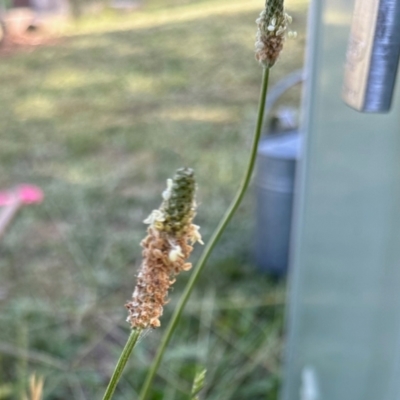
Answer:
[(274, 186)]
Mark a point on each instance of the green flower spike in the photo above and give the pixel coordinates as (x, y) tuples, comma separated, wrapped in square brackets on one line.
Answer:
[(166, 249)]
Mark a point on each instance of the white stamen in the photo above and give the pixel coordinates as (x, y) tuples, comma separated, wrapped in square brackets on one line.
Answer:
[(175, 253), (166, 194), (155, 216), (195, 235)]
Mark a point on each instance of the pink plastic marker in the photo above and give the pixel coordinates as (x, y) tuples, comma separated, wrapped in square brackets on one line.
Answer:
[(12, 200), (26, 194)]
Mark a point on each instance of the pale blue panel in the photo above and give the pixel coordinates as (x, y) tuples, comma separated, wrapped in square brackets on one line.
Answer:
[(344, 312)]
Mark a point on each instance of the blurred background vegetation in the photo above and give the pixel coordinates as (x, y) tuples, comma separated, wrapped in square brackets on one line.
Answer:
[(99, 120)]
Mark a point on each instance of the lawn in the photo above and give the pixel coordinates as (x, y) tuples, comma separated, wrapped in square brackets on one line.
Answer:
[(99, 121)]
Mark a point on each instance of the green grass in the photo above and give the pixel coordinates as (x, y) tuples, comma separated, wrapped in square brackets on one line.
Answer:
[(100, 121)]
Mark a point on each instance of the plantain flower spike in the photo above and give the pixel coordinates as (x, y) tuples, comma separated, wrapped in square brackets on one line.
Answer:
[(272, 25), (166, 249)]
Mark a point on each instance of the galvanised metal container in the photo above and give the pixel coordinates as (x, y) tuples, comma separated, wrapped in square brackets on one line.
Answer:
[(274, 187)]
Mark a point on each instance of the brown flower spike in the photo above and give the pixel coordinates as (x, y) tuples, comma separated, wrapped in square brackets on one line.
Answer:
[(272, 25), (166, 248)]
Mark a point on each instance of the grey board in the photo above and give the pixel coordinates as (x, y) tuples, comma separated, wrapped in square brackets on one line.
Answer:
[(343, 329)]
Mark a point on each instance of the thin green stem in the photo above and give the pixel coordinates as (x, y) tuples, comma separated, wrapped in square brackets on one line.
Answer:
[(123, 359), (211, 244)]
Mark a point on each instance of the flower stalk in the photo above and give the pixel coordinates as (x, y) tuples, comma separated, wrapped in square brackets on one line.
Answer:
[(123, 359), (144, 394)]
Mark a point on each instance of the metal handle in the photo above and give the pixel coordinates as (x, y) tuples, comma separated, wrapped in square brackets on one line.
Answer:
[(277, 91), (372, 55)]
